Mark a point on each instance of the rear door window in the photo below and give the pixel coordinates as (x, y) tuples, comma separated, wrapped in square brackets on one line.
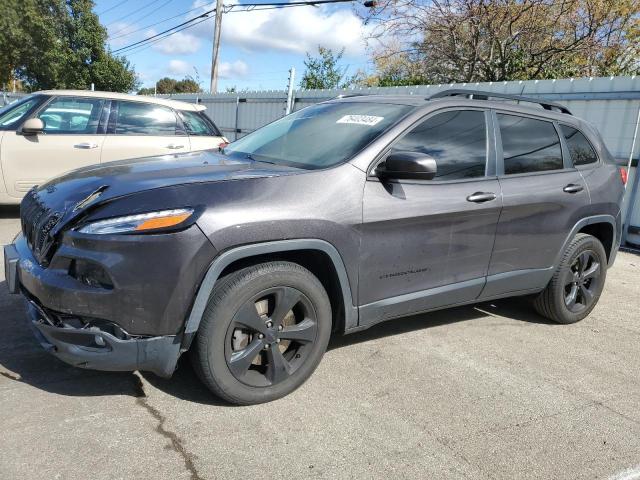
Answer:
[(457, 140), (137, 118), (580, 150), (529, 145)]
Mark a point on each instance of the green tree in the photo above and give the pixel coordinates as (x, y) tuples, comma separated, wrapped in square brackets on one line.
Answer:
[(169, 85), (58, 44), (323, 72), (146, 91), (166, 85), (188, 85)]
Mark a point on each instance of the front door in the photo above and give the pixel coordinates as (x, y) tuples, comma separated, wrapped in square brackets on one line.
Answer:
[(427, 244), (70, 140)]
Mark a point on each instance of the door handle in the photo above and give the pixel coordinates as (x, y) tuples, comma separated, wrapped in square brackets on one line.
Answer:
[(573, 188), (86, 145), (173, 146), (481, 197)]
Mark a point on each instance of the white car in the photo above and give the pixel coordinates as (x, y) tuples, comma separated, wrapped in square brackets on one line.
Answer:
[(48, 133)]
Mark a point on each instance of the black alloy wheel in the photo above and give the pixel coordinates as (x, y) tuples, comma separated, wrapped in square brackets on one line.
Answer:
[(263, 333), (577, 283), (582, 282), (270, 336)]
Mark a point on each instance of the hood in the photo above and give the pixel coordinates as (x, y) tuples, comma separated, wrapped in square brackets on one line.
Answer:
[(116, 179), (68, 196)]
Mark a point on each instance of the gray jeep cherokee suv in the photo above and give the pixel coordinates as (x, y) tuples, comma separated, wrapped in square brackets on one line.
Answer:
[(342, 215)]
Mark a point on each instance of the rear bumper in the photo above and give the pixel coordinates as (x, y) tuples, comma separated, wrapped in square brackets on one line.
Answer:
[(98, 350)]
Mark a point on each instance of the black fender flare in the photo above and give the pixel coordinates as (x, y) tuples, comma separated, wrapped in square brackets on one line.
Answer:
[(229, 256), (583, 223)]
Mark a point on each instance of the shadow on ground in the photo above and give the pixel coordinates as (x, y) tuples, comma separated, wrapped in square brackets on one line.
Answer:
[(23, 360)]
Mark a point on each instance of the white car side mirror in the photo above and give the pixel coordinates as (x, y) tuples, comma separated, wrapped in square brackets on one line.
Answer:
[(33, 126)]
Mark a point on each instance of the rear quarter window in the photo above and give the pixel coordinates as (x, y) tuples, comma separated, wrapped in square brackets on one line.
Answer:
[(580, 150), (197, 124)]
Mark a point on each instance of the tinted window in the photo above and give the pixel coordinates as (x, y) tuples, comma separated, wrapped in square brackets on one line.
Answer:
[(13, 113), (318, 136), (72, 115), (529, 145), (135, 118), (580, 149), (457, 140), (196, 124)]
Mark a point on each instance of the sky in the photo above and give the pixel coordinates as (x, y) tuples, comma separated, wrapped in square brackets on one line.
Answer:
[(257, 49)]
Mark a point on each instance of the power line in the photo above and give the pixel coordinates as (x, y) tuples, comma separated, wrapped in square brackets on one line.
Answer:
[(150, 25), (145, 14), (112, 8), (146, 5), (144, 40), (228, 8), (140, 48)]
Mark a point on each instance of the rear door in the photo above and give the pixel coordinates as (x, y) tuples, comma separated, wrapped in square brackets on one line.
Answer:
[(72, 138), (427, 244), (203, 134), (543, 198), (139, 129)]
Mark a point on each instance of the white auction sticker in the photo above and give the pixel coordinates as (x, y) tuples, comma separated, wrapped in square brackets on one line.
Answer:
[(361, 119)]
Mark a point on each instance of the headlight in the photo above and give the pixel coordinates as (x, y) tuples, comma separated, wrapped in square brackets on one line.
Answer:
[(143, 222)]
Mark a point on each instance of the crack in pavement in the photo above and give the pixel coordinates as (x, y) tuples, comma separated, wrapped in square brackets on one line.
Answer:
[(11, 376), (176, 441)]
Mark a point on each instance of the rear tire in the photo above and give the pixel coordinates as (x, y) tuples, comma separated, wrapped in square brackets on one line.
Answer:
[(576, 285), (263, 333)]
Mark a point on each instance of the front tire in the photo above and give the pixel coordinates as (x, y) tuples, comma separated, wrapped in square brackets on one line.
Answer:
[(263, 333), (577, 284)]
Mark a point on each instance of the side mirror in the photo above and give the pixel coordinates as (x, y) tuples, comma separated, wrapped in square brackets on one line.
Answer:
[(33, 126), (408, 165)]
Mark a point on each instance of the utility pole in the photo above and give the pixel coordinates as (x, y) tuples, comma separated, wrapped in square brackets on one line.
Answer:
[(292, 75), (216, 47)]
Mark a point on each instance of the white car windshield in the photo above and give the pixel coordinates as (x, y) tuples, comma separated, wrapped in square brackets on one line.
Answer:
[(11, 114)]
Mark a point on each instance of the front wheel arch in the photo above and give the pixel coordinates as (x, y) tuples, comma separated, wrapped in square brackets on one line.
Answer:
[(245, 254)]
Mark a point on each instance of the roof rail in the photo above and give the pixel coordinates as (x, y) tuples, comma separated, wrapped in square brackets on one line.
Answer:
[(480, 95), (350, 95)]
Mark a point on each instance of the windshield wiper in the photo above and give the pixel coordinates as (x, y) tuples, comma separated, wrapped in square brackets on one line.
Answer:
[(253, 159)]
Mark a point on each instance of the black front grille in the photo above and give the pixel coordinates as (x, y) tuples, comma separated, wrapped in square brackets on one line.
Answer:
[(37, 223)]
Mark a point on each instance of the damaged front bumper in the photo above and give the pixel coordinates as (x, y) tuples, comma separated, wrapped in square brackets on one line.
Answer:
[(98, 347)]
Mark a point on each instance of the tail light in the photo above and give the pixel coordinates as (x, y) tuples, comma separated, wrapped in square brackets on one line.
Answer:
[(624, 175), (223, 145)]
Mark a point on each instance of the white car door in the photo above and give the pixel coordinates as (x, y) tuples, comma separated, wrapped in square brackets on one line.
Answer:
[(71, 139), (139, 129), (203, 134)]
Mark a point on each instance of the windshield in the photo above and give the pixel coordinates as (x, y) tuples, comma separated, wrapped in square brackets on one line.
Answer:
[(319, 136), (13, 113)]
